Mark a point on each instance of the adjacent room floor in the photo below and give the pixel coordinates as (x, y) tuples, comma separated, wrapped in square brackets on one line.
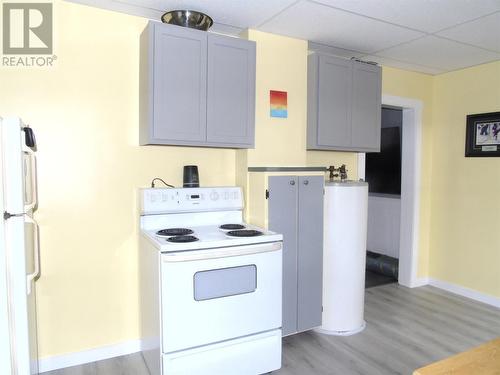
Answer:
[(380, 269), (406, 329), (375, 279)]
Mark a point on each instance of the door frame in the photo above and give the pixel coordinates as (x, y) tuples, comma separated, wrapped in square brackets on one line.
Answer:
[(411, 161)]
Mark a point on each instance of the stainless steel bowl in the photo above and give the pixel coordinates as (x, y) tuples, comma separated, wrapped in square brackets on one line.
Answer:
[(188, 18)]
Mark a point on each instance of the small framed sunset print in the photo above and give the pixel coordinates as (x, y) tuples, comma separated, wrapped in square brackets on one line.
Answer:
[(278, 103)]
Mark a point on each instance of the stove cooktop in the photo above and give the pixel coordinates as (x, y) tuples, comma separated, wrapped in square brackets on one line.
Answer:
[(208, 236)]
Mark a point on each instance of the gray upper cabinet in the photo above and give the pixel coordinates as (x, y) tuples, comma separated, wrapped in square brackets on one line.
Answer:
[(180, 98), (196, 89), (231, 91), (367, 106), (344, 104), (334, 99)]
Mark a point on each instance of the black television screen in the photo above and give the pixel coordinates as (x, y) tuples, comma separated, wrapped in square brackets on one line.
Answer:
[(383, 169)]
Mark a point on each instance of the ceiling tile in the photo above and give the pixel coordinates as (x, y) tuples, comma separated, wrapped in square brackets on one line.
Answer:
[(154, 14), (238, 13), (341, 52), (225, 29), (123, 7), (484, 32), (440, 53), (402, 65), (425, 15), (322, 24)]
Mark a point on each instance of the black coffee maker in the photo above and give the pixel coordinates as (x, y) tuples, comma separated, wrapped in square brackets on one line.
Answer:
[(191, 178)]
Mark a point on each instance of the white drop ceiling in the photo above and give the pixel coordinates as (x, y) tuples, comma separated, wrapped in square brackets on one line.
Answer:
[(428, 36)]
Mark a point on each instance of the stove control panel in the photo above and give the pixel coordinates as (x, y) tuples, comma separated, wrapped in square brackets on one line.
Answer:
[(164, 200)]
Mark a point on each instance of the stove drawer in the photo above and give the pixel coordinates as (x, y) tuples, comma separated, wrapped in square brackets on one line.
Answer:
[(256, 354), (206, 301)]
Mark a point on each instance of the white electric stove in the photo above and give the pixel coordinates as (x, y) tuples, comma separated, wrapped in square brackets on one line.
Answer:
[(210, 284)]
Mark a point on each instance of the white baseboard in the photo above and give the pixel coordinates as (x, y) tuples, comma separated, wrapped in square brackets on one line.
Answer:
[(420, 281), (465, 292), (87, 356)]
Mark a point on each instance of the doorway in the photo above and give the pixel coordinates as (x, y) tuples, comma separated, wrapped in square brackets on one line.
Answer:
[(383, 174), (410, 186)]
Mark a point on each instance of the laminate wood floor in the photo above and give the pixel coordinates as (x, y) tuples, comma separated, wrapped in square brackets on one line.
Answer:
[(406, 329)]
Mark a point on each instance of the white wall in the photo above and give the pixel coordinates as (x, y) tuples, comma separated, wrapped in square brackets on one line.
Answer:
[(384, 214)]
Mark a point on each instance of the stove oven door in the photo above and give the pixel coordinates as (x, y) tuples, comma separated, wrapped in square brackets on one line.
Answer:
[(213, 295)]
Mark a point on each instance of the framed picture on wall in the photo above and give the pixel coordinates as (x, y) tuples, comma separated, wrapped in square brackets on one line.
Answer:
[(483, 135)]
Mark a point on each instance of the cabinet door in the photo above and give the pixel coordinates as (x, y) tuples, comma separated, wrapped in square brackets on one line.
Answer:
[(334, 102), (310, 252), (367, 106), (231, 91), (180, 84), (283, 219)]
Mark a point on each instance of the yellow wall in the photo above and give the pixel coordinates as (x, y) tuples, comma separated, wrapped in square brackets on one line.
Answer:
[(281, 65), (465, 240), (85, 115), (460, 213)]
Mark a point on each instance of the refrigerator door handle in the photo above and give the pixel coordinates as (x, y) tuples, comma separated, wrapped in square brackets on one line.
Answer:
[(33, 177), (29, 138), (36, 251)]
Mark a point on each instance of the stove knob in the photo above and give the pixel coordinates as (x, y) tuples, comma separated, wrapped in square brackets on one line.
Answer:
[(214, 195), (226, 195)]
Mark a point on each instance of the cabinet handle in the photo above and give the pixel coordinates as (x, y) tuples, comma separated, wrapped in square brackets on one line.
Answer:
[(306, 182), (292, 182)]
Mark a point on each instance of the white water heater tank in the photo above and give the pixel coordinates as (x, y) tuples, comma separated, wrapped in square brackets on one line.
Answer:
[(344, 257)]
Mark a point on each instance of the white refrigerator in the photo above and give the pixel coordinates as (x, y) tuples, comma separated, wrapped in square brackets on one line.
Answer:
[(19, 249)]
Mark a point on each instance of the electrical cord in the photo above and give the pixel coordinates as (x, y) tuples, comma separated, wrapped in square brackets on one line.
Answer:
[(159, 179)]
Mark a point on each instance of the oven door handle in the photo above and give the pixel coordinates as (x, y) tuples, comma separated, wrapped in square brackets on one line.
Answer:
[(186, 256)]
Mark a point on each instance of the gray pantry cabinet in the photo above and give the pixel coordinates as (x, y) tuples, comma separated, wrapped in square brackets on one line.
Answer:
[(296, 211), (344, 104), (196, 88)]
